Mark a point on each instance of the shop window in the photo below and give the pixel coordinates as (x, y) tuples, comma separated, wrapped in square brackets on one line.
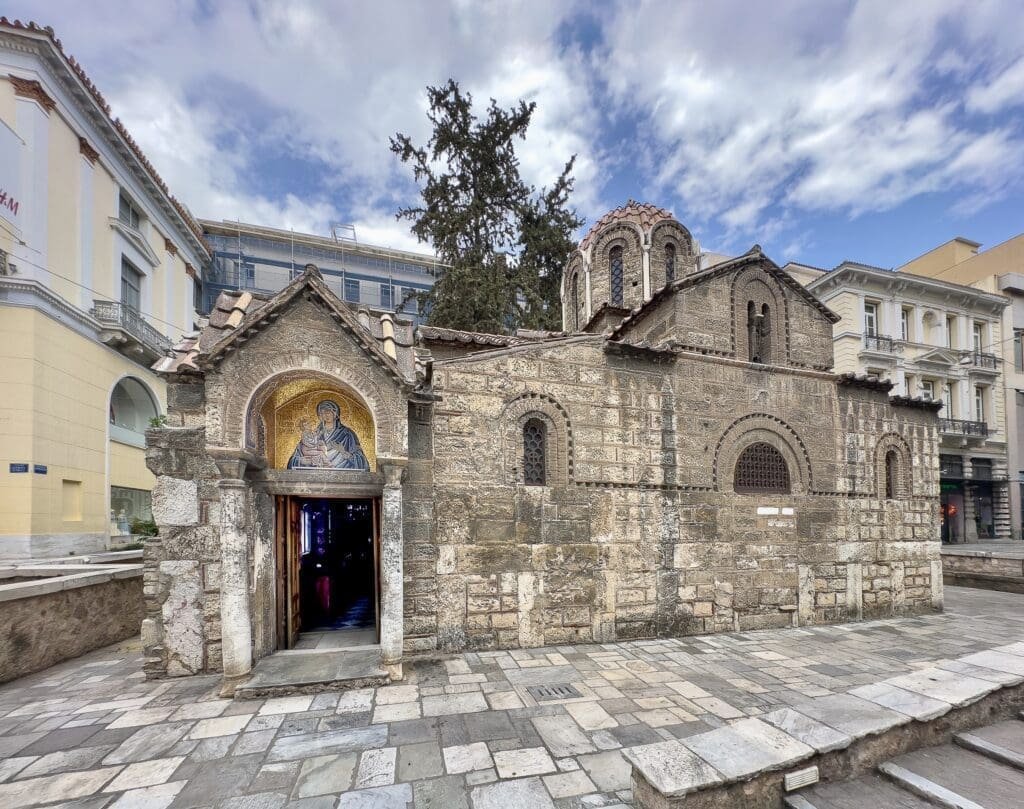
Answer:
[(129, 506), (761, 469)]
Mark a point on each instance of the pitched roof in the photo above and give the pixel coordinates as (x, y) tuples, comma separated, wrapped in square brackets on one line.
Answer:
[(46, 33), (643, 214), (236, 315), (752, 256)]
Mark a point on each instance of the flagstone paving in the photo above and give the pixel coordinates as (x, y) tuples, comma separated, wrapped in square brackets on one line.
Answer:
[(462, 733)]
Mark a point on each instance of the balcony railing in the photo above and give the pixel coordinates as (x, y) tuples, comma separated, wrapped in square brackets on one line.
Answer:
[(879, 342), (119, 316), (962, 427), (979, 359)]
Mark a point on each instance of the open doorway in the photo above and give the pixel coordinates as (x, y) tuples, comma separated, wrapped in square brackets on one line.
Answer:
[(328, 592)]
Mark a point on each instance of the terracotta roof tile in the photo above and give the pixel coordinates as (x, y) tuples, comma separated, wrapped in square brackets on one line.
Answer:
[(643, 214)]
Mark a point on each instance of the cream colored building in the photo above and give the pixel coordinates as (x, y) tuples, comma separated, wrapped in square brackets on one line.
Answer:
[(938, 340), (99, 266), (1000, 270)]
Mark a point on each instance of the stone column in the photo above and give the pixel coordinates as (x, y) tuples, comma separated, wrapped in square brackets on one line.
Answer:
[(235, 615), (392, 599)]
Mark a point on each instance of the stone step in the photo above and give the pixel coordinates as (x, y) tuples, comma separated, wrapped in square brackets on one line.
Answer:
[(314, 671), (870, 791), (1002, 742), (951, 776)]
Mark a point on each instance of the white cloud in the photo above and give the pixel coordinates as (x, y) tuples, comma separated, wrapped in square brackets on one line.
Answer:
[(742, 117)]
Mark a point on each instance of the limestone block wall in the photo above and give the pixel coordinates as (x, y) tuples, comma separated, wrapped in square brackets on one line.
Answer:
[(39, 630), (181, 580), (639, 534)]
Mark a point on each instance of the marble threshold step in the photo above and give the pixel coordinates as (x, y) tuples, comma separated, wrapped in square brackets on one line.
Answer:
[(307, 672)]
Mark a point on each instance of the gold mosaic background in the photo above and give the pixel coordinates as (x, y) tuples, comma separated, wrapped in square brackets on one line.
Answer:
[(297, 400)]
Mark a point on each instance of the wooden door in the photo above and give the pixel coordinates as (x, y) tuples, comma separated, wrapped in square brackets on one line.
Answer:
[(375, 510), (294, 551), (281, 568)]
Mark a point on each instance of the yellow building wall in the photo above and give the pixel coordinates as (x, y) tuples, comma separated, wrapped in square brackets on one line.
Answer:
[(54, 412), (63, 193), (941, 258), (8, 105)]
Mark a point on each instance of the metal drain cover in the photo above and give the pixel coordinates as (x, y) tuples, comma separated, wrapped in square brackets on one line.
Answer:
[(548, 692)]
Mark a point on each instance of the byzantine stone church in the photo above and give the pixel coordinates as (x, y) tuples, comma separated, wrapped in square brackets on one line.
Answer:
[(679, 459)]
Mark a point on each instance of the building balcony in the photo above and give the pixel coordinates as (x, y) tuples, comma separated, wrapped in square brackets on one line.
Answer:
[(882, 344), (127, 331), (979, 361), (963, 429)]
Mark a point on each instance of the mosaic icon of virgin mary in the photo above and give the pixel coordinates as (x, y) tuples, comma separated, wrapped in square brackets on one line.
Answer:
[(331, 445)]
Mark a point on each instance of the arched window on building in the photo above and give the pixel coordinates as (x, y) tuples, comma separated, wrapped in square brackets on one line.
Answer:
[(575, 301), (761, 469), (892, 471), (759, 333), (534, 452), (615, 266), (670, 263)]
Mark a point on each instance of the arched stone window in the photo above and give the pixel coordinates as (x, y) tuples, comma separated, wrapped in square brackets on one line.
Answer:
[(536, 441), (535, 435), (615, 271), (892, 467), (575, 301), (761, 469), (670, 263), (892, 470), (759, 333)]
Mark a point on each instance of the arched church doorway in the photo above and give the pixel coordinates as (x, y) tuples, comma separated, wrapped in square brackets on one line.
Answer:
[(328, 579), (318, 439)]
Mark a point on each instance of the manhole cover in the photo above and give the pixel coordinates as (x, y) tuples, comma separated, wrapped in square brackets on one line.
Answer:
[(546, 692)]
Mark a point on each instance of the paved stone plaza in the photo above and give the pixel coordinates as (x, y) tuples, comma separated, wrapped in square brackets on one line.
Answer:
[(459, 733)]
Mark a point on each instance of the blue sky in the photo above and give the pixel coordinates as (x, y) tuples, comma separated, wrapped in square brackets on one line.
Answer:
[(823, 130)]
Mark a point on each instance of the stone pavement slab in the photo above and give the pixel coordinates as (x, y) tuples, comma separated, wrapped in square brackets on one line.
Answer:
[(450, 723)]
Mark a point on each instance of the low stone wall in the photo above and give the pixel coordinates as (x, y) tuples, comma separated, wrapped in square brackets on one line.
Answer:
[(57, 613)]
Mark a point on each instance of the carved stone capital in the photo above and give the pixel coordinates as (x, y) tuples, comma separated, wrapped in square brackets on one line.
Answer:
[(393, 469)]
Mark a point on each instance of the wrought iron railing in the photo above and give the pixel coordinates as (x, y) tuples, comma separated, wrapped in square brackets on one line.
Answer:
[(111, 313), (879, 342), (962, 427), (979, 359)]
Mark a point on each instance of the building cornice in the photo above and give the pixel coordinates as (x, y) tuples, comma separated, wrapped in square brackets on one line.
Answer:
[(858, 279), (35, 40)]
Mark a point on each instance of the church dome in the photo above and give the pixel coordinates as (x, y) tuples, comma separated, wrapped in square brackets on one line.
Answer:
[(643, 214)]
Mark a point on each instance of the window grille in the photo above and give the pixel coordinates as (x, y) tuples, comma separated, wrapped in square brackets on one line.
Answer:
[(615, 259), (670, 263), (892, 466), (534, 449), (761, 468)]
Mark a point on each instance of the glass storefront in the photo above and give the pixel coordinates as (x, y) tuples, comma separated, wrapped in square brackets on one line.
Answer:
[(127, 505)]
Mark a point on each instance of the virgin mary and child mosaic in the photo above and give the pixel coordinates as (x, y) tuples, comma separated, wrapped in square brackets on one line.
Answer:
[(331, 445)]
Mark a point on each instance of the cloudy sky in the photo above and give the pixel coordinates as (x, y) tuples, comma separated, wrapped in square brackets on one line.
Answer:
[(823, 130)]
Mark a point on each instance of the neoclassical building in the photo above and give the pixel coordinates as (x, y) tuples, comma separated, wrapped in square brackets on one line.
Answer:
[(679, 460)]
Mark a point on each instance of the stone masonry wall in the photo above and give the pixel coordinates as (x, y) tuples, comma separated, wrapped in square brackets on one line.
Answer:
[(645, 537), (42, 630)]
